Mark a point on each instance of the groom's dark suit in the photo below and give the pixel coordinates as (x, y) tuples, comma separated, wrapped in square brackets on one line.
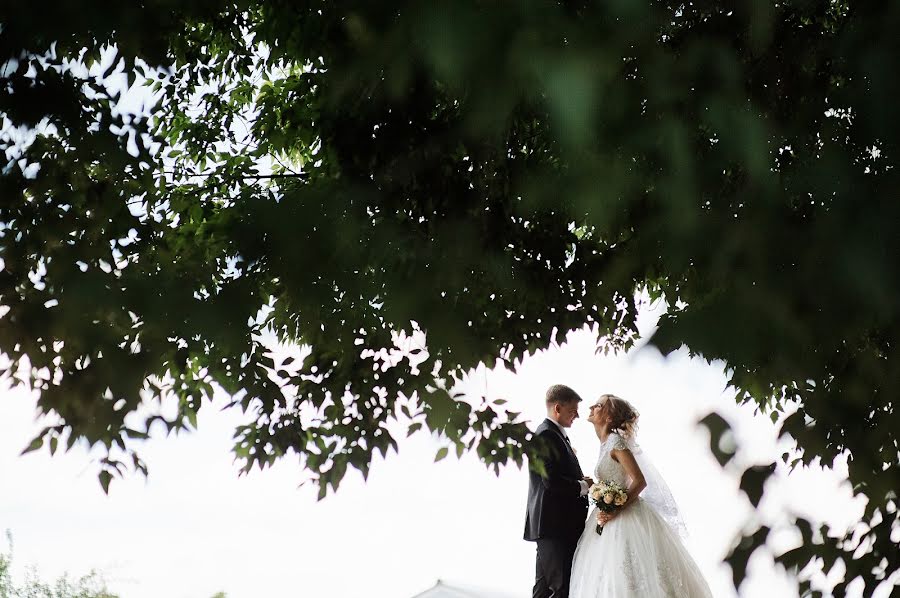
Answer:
[(556, 513)]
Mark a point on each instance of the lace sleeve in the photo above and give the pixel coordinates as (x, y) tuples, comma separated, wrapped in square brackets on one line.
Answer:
[(617, 443)]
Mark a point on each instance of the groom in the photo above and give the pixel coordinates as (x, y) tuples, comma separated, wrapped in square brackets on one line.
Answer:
[(557, 503)]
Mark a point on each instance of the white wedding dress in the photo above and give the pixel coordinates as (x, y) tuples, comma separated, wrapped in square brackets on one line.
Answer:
[(640, 553)]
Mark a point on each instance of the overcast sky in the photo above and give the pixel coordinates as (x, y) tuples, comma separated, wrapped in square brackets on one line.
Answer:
[(194, 527)]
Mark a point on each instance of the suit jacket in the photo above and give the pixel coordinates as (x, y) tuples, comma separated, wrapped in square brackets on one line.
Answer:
[(556, 508)]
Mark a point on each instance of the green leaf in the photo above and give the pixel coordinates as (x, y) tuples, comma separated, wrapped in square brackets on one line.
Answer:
[(442, 452), (753, 481), (719, 434), (35, 445), (105, 478)]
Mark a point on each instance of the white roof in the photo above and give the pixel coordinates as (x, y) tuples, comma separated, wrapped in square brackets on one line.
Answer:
[(444, 590)]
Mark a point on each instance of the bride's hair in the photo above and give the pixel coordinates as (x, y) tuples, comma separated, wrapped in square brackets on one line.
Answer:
[(623, 416)]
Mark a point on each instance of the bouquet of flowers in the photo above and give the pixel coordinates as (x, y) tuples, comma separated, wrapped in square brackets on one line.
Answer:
[(607, 496)]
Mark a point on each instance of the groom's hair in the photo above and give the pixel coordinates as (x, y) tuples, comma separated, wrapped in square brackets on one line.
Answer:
[(562, 394)]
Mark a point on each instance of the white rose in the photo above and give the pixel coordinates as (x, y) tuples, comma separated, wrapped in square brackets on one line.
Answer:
[(608, 499), (620, 500)]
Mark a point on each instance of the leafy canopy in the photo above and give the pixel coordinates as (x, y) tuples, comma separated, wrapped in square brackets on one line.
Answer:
[(347, 176)]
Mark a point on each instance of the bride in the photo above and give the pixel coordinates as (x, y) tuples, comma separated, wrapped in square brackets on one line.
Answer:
[(639, 552)]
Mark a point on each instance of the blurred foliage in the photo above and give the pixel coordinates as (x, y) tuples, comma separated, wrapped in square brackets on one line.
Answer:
[(87, 586), (493, 174)]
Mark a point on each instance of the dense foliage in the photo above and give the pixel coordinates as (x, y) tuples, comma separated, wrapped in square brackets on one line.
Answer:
[(86, 586), (345, 175)]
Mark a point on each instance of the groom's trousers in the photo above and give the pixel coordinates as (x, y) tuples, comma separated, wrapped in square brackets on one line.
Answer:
[(554, 567)]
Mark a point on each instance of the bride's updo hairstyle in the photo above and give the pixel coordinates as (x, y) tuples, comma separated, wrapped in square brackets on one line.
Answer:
[(623, 416)]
